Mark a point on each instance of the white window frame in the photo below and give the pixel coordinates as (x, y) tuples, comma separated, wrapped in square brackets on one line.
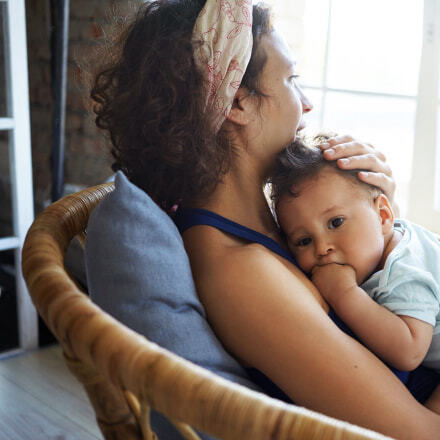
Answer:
[(17, 124), (424, 203)]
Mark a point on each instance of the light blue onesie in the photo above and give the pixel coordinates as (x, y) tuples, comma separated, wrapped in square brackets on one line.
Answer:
[(409, 283)]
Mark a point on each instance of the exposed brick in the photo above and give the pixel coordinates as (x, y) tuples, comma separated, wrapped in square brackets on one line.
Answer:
[(83, 9), (42, 96), (90, 128), (74, 122), (87, 154), (76, 101), (96, 31), (40, 118), (78, 29), (39, 53)]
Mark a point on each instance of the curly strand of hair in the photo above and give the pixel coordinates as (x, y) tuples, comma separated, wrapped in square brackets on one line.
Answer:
[(150, 98)]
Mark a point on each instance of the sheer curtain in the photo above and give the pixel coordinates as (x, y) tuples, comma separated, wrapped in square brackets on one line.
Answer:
[(361, 64)]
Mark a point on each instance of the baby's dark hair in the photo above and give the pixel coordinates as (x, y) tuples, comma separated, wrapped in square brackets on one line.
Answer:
[(303, 160)]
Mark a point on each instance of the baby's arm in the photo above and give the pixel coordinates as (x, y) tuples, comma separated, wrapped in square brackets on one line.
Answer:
[(401, 341)]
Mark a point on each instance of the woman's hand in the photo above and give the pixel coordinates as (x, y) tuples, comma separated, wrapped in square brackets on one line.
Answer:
[(352, 154)]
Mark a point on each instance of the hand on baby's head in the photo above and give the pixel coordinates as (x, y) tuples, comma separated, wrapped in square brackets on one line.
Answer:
[(328, 215)]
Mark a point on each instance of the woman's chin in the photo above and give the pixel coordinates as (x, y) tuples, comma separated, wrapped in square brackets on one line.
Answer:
[(300, 131), (301, 126)]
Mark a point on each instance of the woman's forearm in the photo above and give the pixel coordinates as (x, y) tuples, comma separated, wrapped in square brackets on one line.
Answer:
[(267, 315)]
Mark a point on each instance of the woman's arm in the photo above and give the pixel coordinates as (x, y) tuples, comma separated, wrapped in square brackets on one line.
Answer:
[(401, 341), (433, 403), (352, 154), (266, 314)]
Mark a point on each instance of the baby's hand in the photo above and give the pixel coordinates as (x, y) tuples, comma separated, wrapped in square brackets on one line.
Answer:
[(334, 280)]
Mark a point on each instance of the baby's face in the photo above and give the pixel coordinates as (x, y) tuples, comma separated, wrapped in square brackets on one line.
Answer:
[(332, 221)]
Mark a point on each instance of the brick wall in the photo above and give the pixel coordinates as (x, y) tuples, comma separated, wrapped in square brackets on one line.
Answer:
[(87, 158)]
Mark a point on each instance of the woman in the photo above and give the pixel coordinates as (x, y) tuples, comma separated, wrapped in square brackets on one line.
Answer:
[(198, 109)]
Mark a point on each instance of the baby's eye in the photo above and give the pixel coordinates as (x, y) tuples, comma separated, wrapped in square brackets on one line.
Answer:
[(335, 222), (303, 242)]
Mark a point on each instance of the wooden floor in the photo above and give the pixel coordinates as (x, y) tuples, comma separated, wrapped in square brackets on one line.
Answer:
[(40, 399)]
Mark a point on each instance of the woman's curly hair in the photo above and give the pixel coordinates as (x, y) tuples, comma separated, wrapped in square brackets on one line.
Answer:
[(150, 98)]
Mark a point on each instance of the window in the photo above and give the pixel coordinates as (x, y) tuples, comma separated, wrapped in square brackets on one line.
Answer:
[(371, 70), (15, 137)]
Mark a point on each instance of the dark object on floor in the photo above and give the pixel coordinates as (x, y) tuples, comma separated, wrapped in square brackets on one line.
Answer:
[(8, 304)]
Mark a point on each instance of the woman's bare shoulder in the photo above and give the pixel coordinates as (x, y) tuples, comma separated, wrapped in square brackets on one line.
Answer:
[(240, 270), (226, 268), (244, 285)]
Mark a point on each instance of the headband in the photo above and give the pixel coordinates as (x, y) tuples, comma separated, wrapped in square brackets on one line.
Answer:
[(225, 28)]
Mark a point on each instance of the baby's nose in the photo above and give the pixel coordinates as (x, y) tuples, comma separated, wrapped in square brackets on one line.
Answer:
[(324, 247)]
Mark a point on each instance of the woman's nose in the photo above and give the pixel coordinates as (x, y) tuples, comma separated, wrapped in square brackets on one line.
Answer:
[(307, 105)]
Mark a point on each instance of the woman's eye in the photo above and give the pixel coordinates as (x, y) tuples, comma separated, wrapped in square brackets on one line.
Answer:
[(303, 242), (335, 222), (293, 78)]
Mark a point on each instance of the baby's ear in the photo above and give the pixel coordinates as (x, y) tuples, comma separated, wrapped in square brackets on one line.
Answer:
[(386, 214)]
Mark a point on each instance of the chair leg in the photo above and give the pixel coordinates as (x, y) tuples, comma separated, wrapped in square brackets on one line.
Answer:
[(187, 432), (142, 414)]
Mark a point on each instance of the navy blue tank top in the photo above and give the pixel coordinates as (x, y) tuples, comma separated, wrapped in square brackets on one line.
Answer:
[(420, 382)]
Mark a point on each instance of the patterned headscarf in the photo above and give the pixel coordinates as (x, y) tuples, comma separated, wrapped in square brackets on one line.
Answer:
[(225, 28)]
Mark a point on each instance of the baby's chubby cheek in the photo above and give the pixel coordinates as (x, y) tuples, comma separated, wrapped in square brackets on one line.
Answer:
[(301, 259), (304, 263), (367, 264)]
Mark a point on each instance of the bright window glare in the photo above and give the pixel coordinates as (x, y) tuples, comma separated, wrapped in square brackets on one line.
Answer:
[(369, 46), (304, 26), (389, 127), (375, 45), (437, 159)]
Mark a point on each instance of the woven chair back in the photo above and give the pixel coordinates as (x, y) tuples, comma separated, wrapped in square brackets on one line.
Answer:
[(125, 375)]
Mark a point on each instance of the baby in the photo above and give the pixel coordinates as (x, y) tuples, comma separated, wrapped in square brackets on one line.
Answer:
[(380, 275)]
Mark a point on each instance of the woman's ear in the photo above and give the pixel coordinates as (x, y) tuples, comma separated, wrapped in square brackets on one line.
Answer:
[(242, 107), (386, 214)]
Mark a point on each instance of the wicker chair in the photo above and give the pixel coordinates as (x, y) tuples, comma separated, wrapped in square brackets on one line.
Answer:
[(125, 375)]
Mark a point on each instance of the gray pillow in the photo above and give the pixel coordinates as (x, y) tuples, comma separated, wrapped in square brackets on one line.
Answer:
[(138, 271)]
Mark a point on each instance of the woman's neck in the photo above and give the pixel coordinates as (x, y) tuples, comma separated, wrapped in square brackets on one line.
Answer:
[(240, 197)]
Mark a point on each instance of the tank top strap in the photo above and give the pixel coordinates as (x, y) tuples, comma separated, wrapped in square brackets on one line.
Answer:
[(185, 218)]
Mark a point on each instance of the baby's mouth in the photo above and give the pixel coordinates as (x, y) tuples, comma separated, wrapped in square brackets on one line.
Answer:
[(326, 263)]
